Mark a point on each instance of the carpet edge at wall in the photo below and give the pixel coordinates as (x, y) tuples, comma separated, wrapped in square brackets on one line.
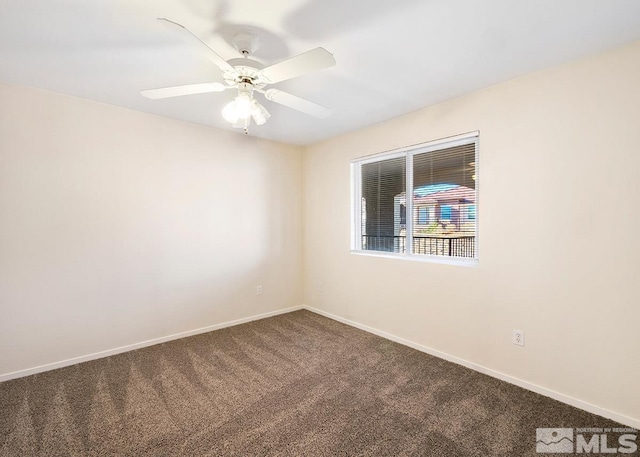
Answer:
[(567, 399)]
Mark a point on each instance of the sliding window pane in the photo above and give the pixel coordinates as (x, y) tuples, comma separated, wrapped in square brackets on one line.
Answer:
[(444, 201)]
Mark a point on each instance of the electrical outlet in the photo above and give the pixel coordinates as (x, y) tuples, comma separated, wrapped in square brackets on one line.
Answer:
[(518, 337), (259, 290)]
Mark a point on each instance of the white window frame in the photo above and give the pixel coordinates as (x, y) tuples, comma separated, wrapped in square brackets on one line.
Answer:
[(409, 152)]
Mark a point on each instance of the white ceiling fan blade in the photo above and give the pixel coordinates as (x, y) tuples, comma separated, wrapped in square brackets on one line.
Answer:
[(177, 91), (210, 54), (297, 103), (313, 60)]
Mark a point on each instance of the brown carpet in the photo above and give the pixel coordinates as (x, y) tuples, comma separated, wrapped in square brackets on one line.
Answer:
[(298, 384)]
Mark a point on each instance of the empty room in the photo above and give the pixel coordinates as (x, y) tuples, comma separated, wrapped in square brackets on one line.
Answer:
[(319, 227)]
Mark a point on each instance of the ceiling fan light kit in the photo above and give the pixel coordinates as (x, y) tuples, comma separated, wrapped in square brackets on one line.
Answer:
[(244, 107), (248, 76)]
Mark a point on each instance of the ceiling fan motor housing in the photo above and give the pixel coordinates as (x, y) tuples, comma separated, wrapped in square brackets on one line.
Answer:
[(246, 70), (245, 88)]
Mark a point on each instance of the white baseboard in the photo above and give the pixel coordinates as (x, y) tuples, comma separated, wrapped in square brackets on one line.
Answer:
[(131, 347), (629, 421)]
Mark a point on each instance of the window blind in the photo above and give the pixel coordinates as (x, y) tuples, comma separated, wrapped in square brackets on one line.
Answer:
[(380, 218)]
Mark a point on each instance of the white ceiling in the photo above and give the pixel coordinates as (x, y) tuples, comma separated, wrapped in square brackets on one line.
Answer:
[(393, 57)]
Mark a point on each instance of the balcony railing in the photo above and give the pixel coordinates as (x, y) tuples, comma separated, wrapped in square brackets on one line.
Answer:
[(453, 246)]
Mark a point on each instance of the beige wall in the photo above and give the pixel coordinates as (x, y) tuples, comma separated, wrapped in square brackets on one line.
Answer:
[(118, 227), (559, 224)]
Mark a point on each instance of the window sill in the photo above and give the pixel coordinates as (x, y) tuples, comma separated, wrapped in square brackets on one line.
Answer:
[(463, 262)]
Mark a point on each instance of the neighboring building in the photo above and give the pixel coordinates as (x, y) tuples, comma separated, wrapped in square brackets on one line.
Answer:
[(438, 213)]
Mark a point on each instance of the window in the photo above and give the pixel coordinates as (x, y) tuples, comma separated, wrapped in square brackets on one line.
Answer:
[(445, 212), (439, 218), (470, 212), (423, 215)]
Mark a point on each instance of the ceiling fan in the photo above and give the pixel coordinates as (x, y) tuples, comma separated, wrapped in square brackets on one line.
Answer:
[(248, 76)]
